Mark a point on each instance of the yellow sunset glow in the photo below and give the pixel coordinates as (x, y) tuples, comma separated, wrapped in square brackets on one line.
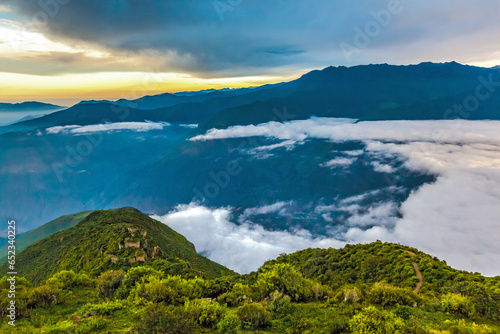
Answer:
[(114, 85)]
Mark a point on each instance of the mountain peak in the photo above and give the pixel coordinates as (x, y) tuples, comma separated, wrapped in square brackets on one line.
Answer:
[(111, 239)]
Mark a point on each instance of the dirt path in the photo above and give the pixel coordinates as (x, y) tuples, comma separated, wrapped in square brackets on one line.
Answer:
[(419, 274)]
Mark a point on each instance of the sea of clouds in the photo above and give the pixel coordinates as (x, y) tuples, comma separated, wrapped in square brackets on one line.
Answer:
[(456, 218)]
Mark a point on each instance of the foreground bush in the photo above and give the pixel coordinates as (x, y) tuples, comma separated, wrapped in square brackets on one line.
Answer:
[(254, 316), (171, 290), (158, 318), (373, 321), (457, 304), (388, 295), (207, 313), (229, 324), (283, 277), (108, 282)]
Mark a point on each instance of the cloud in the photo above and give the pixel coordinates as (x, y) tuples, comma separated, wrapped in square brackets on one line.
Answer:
[(266, 209), (243, 247), (338, 162), (382, 168), (196, 37), (295, 130), (454, 218), (131, 126), (335, 129)]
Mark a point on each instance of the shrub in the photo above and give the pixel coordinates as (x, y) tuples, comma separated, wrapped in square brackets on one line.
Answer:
[(229, 324), (218, 286), (171, 290), (283, 277), (457, 304), (280, 304), (388, 295), (135, 275), (158, 318), (254, 316), (108, 282), (373, 321), (207, 313), (22, 296), (462, 327), (238, 294), (44, 295), (105, 308), (338, 325), (349, 295), (68, 279)]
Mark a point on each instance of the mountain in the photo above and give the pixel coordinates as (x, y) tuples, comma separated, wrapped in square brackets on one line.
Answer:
[(28, 238), (119, 271), (100, 112), (111, 239), (28, 106), (365, 92), (374, 92)]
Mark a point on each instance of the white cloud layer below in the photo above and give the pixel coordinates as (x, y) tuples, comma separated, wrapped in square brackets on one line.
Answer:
[(243, 247), (131, 126), (456, 218)]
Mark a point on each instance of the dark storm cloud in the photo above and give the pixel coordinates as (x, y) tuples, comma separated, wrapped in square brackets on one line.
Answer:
[(209, 37)]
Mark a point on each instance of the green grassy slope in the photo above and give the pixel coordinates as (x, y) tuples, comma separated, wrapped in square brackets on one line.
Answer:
[(109, 239), (39, 233)]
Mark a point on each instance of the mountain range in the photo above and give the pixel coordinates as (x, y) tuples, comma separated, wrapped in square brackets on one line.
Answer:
[(365, 92)]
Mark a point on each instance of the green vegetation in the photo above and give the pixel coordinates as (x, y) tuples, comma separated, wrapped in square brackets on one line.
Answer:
[(28, 238), (359, 289), (114, 239)]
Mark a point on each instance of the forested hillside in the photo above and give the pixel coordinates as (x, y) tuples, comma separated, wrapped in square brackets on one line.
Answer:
[(119, 271)]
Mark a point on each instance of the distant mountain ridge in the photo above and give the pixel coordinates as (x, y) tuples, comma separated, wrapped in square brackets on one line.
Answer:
[(28, 106), (365, 92)]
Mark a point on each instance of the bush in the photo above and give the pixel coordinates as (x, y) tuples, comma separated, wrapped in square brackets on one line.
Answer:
[(229, 324), (108, 282), (68, 279), (105, 308), (44, 296), (338, 325), (22, 296), (158, 318), (372, 321), (254, 316), (283, 277), (171, 290), (218, 286), (280, 304), (457, 304), (135, 275), (207, 313), (462, 327), (238, 294), (388, 295)]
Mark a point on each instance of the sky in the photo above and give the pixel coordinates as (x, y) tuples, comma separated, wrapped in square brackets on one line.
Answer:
[(64, 51)]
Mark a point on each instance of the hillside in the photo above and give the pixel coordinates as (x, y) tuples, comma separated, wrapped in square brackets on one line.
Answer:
[(119, 271), (108, 240), (28, 238)]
